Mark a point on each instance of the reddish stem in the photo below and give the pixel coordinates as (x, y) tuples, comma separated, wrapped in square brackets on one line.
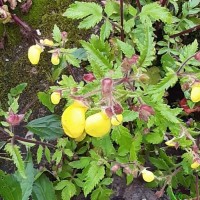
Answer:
[(122, 19), (186, 31), (139, 5)]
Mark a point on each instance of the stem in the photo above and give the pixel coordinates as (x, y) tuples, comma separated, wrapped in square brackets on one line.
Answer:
[(113, 23), (197, 186), (180, 68), (163, 2), (139, 5), (26, 140), (1, 2), (18, 21), (186, 31), (122, 19)]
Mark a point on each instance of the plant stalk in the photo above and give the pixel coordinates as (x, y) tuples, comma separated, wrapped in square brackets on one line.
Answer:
[(122, 19)]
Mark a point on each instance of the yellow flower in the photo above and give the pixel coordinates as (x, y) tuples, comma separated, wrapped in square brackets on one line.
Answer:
[(195, 92), (81, 138), (73, 119), (147, 175), (34, 54), (195, 164), (98, 125), (55, 97), (48, 42), (55, 60), (117, 120)]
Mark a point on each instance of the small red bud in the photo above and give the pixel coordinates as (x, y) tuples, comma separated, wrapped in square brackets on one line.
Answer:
[(115, 167), (145, 112), (106, 87), (118, 109), (127, 170), (64, 36), (14, 119), (197, 56), (88, 77)]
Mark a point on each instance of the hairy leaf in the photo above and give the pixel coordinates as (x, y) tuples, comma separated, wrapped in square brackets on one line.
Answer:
[(69, 191), (105, 30), (18, 89), (126, 48)]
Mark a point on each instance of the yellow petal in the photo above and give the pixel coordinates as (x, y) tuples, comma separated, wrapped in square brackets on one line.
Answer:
[(117, 120), (148, 176)]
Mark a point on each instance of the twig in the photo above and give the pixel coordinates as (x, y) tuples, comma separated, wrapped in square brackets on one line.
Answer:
[(186, 31), (139, 5), (122, 19)]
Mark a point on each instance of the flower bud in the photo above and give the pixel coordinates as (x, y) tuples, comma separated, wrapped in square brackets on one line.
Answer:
[(195, 165), (55, 97), (195, 92), (145, 112), (147, 175), (197, 56), (34, 54), (64, 36), (115, 167), (106, 87), (14, 119), (48, 42), (88, 77), (55, 60)]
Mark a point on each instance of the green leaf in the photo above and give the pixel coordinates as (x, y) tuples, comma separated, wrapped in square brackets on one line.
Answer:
[(10, 187), (155, 137), (101, 193), (90, 13), (57, 156), (94, 176), (126, 48), (71, 59), (69, 191), (159, 163), (18, 89), (129, 116), (48, 127), (145, 43), (106, 181), (106, 29), (112, 8), (43, 189), (15, 153), (80, 164), (155, 12), (39, 154), (45, 99), (135, 146), (170, 193), (47, 154), (95, 55), (57, 34), (27, 184), (61, 184)]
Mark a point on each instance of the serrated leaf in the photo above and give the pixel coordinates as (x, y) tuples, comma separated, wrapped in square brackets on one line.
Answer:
[(106, 181), (39, 154), (57, 156), (155, 12), (45, 99), (27, 184), (126, 48), (15, 153), (135, 146), (155, 137), (94, 176), (10, 187), (96, 55), (106, 29), (43, 189), (18, 89), (61, 184), (91, 13), (145, 43), (129, 116), (80, 164), (111, 8), (57, 34), (69, 191), (48, 127), (70, 58), (159, 163), (170, 193)]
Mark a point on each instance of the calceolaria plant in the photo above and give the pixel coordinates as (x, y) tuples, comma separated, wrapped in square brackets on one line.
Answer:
[(119, 117)]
